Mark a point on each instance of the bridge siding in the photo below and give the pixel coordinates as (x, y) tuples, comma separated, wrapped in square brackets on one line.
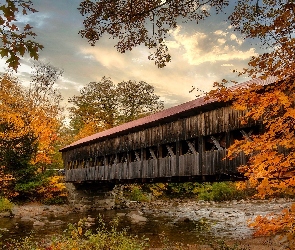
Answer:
[(159, 168), (222, 120), (195, 126)]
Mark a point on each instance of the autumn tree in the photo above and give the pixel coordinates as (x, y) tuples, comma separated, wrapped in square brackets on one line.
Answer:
[(102, 105), (17, 38), (271, 165), (47, 118), (29, 124)]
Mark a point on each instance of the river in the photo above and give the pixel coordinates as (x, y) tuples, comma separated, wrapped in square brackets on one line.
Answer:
[(186, 222)]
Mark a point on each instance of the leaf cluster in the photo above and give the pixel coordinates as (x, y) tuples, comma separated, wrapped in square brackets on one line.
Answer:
[(147, 23), (17, 39), (271, 23)]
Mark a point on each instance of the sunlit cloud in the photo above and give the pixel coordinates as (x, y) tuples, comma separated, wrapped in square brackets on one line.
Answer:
[(233, 37), (227, 65), (211, 47), (107, 57), (198, 58), (220, 33)]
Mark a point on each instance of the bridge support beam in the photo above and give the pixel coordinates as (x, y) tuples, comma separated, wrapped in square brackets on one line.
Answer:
[(90, 196)]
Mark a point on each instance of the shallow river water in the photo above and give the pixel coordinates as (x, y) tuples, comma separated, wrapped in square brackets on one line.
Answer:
[(188, 222), (156, 228)]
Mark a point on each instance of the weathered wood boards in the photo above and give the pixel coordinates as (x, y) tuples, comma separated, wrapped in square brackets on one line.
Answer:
[(190, 146), (214, 163)]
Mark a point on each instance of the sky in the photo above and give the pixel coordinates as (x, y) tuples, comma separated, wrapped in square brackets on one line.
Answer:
[(201, 54)]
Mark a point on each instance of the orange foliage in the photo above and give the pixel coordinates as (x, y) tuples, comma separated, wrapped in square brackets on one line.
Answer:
[(271, 165), (20, 116), (5, 184), (46, 130), (54, 188), (283, 224)]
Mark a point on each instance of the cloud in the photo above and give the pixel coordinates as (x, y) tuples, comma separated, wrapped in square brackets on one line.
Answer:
[(107, 57), (227, 65), (200, 54), (210, 47), (233, 37)]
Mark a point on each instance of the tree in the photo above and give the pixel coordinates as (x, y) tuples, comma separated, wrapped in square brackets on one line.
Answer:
[(17, 39), (272, 22), (46, 111), (29, 124), (271, 165), (102, 105), (136, 22), (96, 106), (136, 99)]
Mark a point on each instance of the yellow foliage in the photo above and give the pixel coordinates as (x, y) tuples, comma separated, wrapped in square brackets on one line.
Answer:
[(240, 185), (55, 187), (158, 189), (22, 115)]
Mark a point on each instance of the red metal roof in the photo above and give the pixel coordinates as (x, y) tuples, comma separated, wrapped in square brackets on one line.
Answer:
[(177, 110)]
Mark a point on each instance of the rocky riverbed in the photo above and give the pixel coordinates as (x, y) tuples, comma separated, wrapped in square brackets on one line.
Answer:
[(219, 220)]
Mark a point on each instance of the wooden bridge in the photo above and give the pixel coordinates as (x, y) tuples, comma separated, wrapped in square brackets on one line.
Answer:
[(183, 143)]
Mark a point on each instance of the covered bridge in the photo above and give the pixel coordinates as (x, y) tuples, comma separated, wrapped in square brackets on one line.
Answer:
[(182, 143)]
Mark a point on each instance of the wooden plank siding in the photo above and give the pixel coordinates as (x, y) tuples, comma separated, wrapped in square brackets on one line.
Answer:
[(81, 163)]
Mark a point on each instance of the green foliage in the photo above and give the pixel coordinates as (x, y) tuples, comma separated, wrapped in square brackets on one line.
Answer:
[(219, 191), (134, 192), (104, 104), (5, 205), (27, 187), (184, 189)]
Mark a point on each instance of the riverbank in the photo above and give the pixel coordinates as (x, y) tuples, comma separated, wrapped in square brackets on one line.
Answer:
[(226, 220)]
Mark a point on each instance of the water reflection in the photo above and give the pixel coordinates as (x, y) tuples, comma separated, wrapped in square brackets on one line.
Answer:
[(157, 229)]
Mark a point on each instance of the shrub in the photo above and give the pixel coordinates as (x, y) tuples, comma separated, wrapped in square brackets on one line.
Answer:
[(220, 191), (134, 192), (53, 191), (5, 205), (217, 191), (157, 189), (183, 189)]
